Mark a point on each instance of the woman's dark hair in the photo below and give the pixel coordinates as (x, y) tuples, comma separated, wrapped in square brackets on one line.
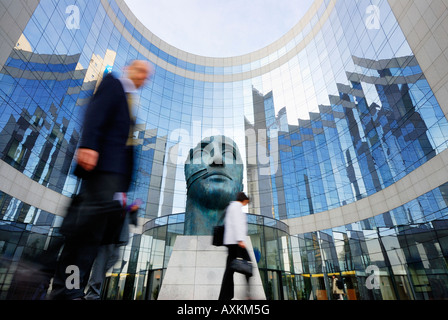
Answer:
[(241, 196)]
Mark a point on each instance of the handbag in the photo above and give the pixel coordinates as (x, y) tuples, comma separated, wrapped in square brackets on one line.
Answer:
[(218, 236), (88, 222), (241, 266)]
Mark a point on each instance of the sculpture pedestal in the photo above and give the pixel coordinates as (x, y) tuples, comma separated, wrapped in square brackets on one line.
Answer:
[(196, 269)]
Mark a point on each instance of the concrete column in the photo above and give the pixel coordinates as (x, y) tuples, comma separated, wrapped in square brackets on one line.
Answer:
[(14, 16)]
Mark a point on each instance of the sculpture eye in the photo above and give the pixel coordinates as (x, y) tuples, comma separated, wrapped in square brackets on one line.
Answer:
[(202, 154), (229, 156)]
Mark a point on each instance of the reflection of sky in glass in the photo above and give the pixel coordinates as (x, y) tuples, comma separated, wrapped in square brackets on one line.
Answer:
[(344, 117), (317, 99)]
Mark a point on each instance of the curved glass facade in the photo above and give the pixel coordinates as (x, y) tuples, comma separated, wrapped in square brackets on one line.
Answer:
[(336, 112), (270, 240)]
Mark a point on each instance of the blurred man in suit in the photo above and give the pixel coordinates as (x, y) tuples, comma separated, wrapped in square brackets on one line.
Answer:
[(105, 163)]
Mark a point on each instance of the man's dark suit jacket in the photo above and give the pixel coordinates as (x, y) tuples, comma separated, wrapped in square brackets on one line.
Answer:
[(106, 129)]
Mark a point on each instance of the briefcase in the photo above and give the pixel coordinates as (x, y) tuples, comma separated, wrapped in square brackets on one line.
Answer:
[(218, 236), (93, 222), (241, 266)]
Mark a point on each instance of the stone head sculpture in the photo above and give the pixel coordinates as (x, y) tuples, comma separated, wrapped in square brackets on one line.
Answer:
[(214, 176)]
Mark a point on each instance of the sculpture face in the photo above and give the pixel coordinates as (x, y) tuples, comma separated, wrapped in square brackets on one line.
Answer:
[(214, 174)]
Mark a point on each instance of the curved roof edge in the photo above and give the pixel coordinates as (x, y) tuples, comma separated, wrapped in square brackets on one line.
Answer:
[(270, 57), (170, 49)]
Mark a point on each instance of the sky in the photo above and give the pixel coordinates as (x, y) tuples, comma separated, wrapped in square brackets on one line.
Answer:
[(219, 28)]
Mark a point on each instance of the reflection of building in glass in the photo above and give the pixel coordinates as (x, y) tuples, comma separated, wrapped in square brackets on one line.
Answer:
[(386, 142), (36, 136), (342, 129)]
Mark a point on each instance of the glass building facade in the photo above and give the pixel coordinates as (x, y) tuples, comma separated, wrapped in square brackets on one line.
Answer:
[(337, 122)]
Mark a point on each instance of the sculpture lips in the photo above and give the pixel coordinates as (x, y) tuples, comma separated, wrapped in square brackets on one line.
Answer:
[(204, 174), (210, 174)]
